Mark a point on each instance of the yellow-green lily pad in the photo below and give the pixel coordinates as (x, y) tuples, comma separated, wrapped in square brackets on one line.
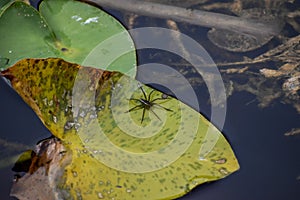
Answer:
[(115, 154)]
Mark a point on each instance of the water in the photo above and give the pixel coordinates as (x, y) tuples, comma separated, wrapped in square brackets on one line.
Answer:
[(269, 160), (18, 124)]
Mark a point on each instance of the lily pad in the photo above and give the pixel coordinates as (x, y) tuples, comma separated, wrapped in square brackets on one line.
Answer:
[(72, 30), (4, 4), (113, 153)]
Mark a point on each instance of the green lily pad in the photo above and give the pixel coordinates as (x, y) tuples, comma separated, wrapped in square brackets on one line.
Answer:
[(114, 154), (72, 30), (23, 34), (4, 4)]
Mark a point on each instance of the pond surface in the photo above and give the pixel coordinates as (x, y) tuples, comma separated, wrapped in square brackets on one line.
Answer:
[(269, 160)]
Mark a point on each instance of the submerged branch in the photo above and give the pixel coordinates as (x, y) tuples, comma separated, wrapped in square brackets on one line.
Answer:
[(294, 131), (13, 146), (197, 17)]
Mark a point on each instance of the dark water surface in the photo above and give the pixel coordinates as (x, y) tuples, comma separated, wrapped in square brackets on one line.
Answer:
[(269, 160)]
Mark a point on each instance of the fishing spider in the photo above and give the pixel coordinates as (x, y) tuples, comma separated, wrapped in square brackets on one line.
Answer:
[(147, 103)]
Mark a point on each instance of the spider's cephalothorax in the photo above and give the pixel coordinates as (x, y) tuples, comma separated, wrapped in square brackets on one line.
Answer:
[(146, 103)]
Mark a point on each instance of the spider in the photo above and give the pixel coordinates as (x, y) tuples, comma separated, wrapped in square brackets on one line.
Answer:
[(147, 103)]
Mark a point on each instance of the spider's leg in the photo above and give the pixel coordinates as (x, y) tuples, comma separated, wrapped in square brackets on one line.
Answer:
[(149, 96), (155, 114), (144, 93), (133, 99), (167, 109), (134, 108), (159, 98), (143, 115)]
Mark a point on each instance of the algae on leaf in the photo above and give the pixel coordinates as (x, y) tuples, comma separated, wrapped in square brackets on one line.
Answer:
[(72, 30), (114, 155)]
